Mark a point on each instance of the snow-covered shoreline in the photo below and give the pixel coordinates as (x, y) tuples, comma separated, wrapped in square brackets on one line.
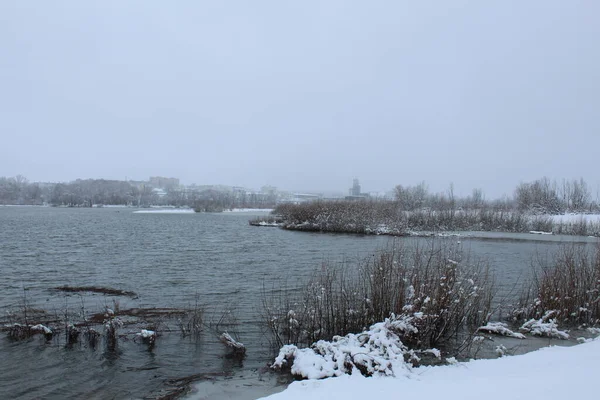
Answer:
[(576, 218), (165, 211), (549, 373), (248, 210), (191, 211)]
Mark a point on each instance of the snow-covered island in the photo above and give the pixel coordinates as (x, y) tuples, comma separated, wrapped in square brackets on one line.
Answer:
[(384, 217)]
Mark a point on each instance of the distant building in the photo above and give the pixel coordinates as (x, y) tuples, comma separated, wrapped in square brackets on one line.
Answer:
[(355, 189), (354, 192), (297, 198)]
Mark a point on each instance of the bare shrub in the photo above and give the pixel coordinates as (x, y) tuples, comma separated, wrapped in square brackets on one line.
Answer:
[(566, 286), (446, 293)]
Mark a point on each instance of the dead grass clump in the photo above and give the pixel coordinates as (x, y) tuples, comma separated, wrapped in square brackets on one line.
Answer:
[(191, 322)]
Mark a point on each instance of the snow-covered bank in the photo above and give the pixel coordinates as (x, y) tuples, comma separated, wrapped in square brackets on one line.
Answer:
[(549, 373), (576, 218), (249, 210), (165, 211)]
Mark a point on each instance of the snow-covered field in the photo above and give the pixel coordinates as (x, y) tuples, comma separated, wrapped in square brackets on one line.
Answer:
[(554, 373)]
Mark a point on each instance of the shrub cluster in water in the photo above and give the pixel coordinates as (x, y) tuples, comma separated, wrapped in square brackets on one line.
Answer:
[(565, 288), (446, 293)]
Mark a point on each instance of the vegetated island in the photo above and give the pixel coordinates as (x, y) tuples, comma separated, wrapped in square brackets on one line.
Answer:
[(537, 208)]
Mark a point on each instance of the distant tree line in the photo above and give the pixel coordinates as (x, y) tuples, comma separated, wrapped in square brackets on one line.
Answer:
[(18, 190), (89, 192), (541, 196)]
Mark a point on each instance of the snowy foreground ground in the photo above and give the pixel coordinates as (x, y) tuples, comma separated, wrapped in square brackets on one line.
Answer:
[(547, 374)]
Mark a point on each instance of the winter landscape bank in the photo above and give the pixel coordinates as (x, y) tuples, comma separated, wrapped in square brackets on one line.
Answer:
[(555, 373)]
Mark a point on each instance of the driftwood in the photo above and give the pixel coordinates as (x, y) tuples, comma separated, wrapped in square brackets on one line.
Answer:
[(237, 347)]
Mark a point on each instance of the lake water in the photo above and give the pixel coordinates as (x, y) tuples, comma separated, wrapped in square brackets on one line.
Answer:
[(170, 260)]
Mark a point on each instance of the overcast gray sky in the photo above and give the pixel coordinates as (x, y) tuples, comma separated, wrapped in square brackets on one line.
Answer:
[(302, 95)]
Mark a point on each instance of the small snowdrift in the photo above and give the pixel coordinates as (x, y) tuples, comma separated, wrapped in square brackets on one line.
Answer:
[(378, 351), (541, 328), (500, 328)]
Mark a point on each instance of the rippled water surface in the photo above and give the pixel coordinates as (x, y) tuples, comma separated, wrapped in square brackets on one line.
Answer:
[(169, 260)]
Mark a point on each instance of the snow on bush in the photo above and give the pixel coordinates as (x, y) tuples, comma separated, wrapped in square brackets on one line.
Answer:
[(500, 328), (378, 351), (540, 328)]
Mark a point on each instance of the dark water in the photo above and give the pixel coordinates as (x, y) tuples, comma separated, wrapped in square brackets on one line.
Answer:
[(169, 260)]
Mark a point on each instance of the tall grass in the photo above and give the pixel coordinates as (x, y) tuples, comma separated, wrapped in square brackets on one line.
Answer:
[(565, 287), (448, 294)]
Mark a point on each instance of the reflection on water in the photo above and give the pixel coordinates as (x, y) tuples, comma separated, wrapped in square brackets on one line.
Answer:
[(170, 260)]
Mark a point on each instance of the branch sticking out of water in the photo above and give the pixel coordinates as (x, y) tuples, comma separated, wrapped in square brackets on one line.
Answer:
[(96, 289)]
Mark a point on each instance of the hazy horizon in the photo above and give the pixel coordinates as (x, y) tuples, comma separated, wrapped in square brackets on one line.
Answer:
[(302, 96)]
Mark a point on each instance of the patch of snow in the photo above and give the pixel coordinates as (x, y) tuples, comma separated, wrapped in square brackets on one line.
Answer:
[(593, 331), (437, 354), (146, 334), (584, 340), (266, 223), (501, 350), (378, 351), (42, 328), (500, 328), (540, 328)]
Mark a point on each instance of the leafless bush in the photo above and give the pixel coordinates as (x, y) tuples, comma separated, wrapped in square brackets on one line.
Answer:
[(448, 294), (566, 286)]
